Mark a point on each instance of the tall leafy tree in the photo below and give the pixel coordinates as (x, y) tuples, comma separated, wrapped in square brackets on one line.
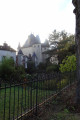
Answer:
[(61, 39), (62, 43), (53, 38)]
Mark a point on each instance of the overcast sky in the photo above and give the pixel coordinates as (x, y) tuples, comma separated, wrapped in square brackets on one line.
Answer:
[(19, 18)]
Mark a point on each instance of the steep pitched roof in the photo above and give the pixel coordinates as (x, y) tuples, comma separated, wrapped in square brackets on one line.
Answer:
[(20, 52), (32, 40), (19, 46), (34, 55)]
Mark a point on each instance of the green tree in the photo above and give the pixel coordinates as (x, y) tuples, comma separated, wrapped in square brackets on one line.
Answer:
[(11, 73), (62, 43), (53, 38), (68, 64), (7, 68), (19, 73)]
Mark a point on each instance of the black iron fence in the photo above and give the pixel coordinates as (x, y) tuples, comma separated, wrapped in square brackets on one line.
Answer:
[(17, 98)]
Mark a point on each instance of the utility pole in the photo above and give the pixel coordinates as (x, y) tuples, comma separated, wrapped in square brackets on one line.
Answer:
[(76, 3)]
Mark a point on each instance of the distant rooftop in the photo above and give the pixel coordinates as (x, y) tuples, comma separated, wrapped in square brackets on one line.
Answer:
[(32, 40), (45, 44), (6, 48)]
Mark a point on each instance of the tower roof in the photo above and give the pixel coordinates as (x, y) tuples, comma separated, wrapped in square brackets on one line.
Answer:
[(19, 46), (32, 40), (20, 52)]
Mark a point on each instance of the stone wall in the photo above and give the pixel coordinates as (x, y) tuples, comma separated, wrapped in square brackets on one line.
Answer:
[(7, 54)]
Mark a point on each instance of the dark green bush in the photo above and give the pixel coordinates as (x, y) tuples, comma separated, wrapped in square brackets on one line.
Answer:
[(11, 73), (30, 67), (7, 68), (52, 68), (42, 67)]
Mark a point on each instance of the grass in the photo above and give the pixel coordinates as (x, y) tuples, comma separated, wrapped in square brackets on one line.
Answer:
[(60, 107), (64, 116), (17, 100)]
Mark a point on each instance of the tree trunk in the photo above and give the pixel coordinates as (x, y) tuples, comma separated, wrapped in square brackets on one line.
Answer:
[(76, 3)]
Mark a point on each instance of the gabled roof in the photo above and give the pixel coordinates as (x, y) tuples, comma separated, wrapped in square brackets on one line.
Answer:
[(6, 48)]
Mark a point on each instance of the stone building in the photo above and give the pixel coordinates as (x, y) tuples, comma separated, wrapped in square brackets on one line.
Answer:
[(7, 51), (34, 48)]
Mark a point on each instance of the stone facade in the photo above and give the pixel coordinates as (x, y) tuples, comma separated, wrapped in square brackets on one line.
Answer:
[(7, 51), (35, 48)]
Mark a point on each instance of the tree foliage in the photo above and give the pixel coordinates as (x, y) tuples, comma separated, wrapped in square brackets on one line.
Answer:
[(7, 68), (52, 68), (61, 40), (9, 72), (63, 44), (30, 67), (68, 64), (53, 38)]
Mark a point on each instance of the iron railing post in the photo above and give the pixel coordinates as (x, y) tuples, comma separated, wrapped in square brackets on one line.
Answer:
[(37, 96), (31, 96)]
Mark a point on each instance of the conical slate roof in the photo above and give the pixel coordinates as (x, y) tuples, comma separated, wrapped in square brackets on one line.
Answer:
[(34, 55), (19, 46), (20, 52), (32, 40)]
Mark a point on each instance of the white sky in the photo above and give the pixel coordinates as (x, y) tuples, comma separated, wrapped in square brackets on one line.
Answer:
[(19, 18)]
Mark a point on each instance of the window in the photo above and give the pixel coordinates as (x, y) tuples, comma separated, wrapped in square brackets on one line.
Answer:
[(12, 58), (3, 57)]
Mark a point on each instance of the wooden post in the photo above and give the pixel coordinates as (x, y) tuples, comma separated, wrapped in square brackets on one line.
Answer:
[(76, 3)]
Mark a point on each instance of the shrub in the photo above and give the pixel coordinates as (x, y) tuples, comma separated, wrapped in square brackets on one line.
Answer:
[(10, 73), (19, 74), (68, 64), (52, 68), (7, 68), (31, 67), (41, 67)]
